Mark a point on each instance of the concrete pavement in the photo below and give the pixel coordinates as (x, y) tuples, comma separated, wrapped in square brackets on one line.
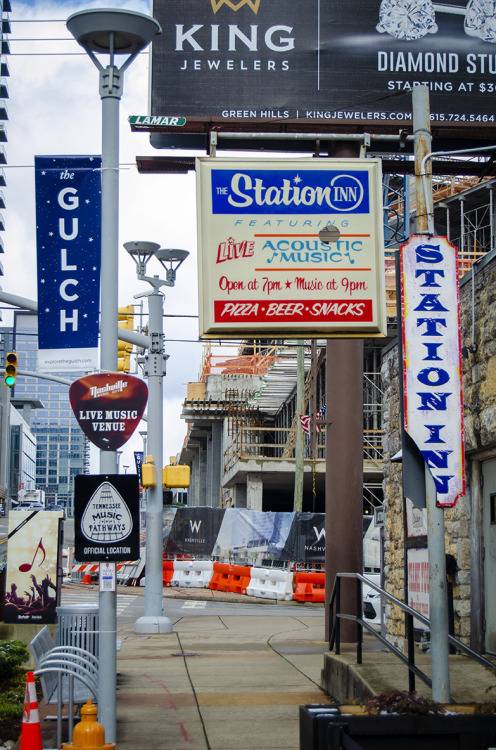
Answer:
[(230, 682), (219, 683)]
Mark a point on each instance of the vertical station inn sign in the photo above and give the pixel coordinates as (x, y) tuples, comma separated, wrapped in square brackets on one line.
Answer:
[(432, 368), (264, 269)]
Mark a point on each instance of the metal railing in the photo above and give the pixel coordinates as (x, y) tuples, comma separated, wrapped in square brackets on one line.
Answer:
[(410, 616), (270, 442)]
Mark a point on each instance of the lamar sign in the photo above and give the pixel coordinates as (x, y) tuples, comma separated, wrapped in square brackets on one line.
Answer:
[(264, 270)]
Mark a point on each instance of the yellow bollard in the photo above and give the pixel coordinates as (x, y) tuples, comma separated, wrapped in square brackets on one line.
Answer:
[(89, 733)]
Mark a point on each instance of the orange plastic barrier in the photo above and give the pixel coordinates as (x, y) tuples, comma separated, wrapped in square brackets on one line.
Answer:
[(239, 578), (219, 578), (309, 587), (167, 572), (234, 578)]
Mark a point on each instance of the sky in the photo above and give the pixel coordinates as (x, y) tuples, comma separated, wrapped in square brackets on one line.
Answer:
[(54, 108)]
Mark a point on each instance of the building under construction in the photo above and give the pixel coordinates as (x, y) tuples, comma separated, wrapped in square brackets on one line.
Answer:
[(242, 414)]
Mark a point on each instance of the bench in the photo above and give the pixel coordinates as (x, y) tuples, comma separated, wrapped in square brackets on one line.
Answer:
[(68, 676)]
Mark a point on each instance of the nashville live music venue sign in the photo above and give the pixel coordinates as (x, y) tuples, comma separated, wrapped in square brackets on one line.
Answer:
[(263, 268), (108, 407), (280, 60), (432, 371)]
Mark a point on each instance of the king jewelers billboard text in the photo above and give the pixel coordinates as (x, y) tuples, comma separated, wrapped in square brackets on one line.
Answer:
[(315, 60), (264, 269)]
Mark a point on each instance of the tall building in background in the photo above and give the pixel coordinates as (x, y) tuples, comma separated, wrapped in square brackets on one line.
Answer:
[(4, 94), (62, 450), (22, 454)]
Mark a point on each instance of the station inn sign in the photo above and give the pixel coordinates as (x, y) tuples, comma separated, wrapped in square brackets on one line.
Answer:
[(264, 269), (432, 371)]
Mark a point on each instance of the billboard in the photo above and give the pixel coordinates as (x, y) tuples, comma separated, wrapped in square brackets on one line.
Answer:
[(279, 60), (432, 365), (263, 269)]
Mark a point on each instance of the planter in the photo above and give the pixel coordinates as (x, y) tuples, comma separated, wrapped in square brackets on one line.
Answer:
[(330, 728)]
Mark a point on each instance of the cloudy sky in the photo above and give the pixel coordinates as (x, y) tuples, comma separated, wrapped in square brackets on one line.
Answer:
[(54, 109)]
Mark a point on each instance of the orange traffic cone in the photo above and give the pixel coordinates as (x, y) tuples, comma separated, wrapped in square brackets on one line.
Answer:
[(87, 578), (31, 730)]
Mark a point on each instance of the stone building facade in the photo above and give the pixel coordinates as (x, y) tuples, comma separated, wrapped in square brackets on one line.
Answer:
[(469, 525)]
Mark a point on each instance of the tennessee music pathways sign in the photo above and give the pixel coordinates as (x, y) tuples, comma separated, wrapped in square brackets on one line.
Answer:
[(108, 407), (106, 518), (321, 61), (432, 371), (68, 227), (263, 269)]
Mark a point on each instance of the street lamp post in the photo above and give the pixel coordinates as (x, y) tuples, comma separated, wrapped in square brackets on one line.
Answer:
[(153, 620), (110, 32)]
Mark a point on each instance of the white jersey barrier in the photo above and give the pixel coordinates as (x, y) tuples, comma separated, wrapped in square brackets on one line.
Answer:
[(271, 583), (192, 573)]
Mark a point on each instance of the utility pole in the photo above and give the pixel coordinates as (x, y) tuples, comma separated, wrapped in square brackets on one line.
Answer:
[(300, 443), (344, 461), (5, 441)]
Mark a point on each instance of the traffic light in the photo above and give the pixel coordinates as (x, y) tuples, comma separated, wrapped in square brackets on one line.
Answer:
[(125, 320), (10, 369)]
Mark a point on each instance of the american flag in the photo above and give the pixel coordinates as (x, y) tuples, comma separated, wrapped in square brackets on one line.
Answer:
[(306, 420), (305, 423), (320, 415)]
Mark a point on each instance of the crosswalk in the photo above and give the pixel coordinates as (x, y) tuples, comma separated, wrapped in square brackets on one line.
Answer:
[(69, 598), (194, 605)]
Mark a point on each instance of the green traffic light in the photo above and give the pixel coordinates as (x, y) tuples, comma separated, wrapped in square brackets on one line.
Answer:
[(10, 369)]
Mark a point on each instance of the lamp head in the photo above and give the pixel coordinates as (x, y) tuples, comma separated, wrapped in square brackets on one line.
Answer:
[(112, 31), (141, 252), (171, 260)]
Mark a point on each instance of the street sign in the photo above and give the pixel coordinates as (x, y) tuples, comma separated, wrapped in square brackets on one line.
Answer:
[(106, 517), (157, 120), (432, 368), (108, 407)]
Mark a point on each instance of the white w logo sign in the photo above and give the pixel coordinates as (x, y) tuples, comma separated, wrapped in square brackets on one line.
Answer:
[(195, 526), (319, 533)]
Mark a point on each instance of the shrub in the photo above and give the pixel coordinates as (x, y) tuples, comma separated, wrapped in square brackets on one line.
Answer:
[(12, 655), (12, 699), (12, 687)]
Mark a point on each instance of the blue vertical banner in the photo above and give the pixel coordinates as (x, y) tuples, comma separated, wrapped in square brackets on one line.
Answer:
[(138, 460), (68, 237)]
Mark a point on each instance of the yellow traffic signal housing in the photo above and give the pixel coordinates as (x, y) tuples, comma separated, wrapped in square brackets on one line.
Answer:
[(11, 361), (148, 473), (176, 475), (125, 320)]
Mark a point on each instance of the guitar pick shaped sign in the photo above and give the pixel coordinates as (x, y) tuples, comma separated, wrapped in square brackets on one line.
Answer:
[(108, 407)]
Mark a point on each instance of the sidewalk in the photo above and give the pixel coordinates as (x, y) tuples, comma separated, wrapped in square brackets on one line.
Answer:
[(219, 683), (233, 682)]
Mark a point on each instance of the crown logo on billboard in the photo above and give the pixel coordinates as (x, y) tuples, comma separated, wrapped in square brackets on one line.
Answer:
[(236, 4)]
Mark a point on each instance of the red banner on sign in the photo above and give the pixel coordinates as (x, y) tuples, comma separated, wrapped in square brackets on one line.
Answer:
[(293, 311)]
